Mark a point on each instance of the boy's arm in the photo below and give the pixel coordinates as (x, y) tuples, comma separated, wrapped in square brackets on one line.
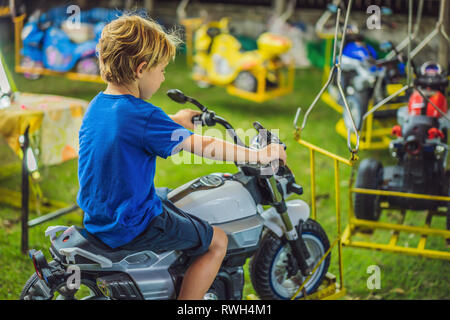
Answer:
[(217, 149), (184, 116)]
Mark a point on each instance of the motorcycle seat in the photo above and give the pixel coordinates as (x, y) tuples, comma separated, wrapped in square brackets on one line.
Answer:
[(80, 238), (83, 241)]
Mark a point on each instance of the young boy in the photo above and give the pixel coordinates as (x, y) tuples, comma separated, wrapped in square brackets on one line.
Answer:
[(120, 138)]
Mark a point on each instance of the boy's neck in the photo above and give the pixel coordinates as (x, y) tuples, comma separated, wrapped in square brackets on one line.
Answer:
[(114, 89)]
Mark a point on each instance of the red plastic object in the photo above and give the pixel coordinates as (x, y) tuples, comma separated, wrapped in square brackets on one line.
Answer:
[(416, 104), (397, 130), (434, 133)]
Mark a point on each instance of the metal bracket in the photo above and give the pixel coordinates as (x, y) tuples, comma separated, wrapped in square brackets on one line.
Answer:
[(51, 231), (70, 254), (335, 70)]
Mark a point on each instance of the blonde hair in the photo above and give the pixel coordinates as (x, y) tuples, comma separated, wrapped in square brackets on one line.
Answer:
[(130, 40)]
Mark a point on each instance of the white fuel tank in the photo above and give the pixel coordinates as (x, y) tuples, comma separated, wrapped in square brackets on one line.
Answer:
[(215, 199)]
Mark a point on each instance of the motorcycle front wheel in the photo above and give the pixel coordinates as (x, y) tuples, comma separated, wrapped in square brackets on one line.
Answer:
[(357, 103), (269, 267)]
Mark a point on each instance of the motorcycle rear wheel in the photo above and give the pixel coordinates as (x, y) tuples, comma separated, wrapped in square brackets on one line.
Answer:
[(37, 289), (269, 266)]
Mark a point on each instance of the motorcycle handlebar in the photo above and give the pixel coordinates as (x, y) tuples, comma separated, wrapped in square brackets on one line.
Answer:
[(209, 118)]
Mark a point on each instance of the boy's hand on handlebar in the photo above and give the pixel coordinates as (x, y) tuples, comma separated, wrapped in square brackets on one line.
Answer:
[(184, 117), (271, 153)]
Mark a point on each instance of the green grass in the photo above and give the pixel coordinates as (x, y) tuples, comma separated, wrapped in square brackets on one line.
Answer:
[(402, 277)]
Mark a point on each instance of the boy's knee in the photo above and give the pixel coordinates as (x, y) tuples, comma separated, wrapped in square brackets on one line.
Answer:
[(219, 241)]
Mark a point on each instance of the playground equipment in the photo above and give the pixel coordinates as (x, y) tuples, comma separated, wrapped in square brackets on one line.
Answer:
[(357, 225), (420, 150), (47, 44), (216, 59), (284, 243), (366, 80), (257, 75)]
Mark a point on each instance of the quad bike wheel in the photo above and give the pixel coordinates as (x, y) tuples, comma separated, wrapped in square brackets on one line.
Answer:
[(197, 69), (271, 266), (246, 81), (370, 176)]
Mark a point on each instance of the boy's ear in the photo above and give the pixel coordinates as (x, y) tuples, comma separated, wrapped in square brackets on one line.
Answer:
[(140, 69)]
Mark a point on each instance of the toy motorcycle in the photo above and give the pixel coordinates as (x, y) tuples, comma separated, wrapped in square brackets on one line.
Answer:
[(283, 242), (218, 58), (365, 77), (420, 150)]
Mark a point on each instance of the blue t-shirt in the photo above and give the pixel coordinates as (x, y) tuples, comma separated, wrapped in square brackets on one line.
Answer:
[(120, 138)]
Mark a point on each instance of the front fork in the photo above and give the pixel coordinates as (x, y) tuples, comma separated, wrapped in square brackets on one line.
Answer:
[(293, 236)]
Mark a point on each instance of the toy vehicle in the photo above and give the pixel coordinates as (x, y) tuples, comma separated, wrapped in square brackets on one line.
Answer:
[(218, 60), (365, 77), (283, 242), (420, 150)]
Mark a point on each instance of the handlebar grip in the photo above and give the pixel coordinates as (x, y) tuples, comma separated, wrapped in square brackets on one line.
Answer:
[(197, 118)]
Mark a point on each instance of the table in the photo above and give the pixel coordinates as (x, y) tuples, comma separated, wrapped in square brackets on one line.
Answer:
[(53, 122)]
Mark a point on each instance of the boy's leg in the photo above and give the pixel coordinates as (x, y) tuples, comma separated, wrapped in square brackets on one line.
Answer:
[(202, 272)]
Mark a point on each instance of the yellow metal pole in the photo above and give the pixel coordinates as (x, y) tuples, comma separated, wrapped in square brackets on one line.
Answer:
[(314, 269), (400, 194), (18, 25), (325, 152), (261, 82), (313, 184), (351, 212), (338, 217)]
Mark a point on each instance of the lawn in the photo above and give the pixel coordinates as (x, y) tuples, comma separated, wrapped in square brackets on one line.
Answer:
[(402, 277)]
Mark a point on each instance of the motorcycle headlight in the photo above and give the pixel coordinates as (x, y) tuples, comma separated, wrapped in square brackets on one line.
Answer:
[(440, 151), (392, 149)]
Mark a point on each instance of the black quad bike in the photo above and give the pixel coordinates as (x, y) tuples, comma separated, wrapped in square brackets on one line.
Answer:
[(420, 149), (283, 243)]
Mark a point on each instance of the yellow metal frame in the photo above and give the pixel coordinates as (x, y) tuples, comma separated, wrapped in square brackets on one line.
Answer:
[(287, 74), (286, 84), (355, 225), (190, 25), (18, 26), (4, 11), (333, 290), (329, 289)]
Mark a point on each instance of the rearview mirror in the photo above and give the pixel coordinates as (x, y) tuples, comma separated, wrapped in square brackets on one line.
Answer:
[(177, 96)]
